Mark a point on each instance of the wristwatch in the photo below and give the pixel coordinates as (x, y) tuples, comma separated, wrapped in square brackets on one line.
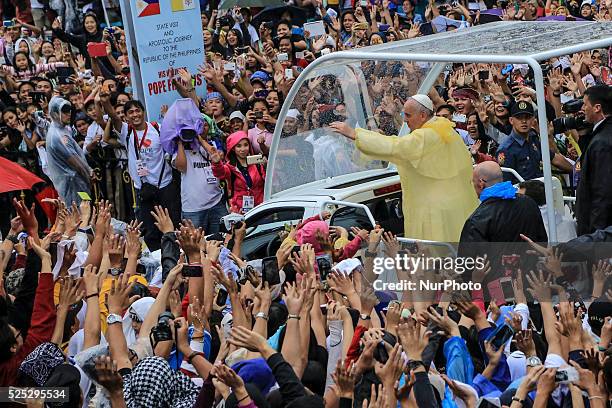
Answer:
[(364, 316), (533, 361), (13, 239), (114, 271), (261, 315), (114, 318)]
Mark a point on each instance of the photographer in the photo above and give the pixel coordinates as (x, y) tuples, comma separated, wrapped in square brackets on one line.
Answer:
[(201, 195), (594, 194)]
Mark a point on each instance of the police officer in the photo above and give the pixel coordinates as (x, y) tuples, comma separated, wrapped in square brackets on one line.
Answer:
[(521, 150)]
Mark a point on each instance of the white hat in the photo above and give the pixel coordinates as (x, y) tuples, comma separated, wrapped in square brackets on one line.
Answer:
[(293, 113), (347, 266), (237, 114), (586, 2), (424, 101)]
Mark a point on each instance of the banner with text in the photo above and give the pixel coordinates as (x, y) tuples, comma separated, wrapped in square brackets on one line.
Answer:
[(168, 37)]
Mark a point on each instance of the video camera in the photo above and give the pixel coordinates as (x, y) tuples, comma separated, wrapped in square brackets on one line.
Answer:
[(576, 120), (188, 135)]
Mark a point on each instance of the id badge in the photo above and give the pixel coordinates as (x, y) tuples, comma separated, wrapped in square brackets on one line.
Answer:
[(210, 178), (141, 169), (248, 202)]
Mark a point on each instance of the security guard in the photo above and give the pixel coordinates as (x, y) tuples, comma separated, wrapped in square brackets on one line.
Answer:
[(521, 150)]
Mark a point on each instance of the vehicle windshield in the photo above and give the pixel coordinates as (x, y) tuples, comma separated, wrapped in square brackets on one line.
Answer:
[(365, 94)]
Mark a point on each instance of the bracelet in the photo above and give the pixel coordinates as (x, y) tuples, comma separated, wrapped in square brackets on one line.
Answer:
[(596, 397), (243, 398), (194, 355), (92, 295), (520, 401), (293, 317)]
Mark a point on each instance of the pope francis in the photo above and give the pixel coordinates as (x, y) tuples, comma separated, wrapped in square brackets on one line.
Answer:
[(435, 170)]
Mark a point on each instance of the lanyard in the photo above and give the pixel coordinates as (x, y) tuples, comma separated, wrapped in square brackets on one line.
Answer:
[(144, 137)]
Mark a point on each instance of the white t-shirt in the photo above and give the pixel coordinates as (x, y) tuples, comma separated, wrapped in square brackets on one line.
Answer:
[(200, 189), (95, 129), (151, 155)]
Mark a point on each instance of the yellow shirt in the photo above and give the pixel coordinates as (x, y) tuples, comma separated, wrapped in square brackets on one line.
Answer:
[(435, 170), (106, 287)]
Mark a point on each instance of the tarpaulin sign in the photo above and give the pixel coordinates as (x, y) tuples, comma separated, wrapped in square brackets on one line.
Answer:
[(164, 36)]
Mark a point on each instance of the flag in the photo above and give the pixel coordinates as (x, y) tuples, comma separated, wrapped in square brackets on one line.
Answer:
[(147, 7), (181, 5)]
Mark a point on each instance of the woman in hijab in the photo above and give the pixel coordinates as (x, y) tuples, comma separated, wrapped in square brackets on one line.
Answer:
[(153, 384)]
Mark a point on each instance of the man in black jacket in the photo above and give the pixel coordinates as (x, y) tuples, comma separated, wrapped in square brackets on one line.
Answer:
[(594, 194), (502, 216)]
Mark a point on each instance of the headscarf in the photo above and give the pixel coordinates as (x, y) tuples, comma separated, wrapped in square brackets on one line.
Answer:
[(40, 363), (140, 308), (256, 371), (18, 43), (182, 114), (154, 384), (308, 234)]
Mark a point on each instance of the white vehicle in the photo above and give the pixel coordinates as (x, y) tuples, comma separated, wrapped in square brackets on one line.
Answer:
[(311, 169)]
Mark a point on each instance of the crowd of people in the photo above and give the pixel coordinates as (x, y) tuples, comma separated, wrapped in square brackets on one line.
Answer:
[(111, 289)]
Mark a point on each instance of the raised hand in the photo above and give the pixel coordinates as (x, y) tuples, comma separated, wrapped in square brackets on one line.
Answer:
[(118, 298), (413, 338), (344, 378), (163, 222)]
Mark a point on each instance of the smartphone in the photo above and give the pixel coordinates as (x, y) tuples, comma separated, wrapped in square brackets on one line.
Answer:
[(501, 336), (255, 159), (405, 313), (37, 97), (324, 264), (332, 13), (83, 195), (566, 375), (82, 271), (64, 72), (221, 296), (229, 66), (299, 55), (192, 271), (483, 75), (363, 3), (325, 51), (507, 290), (8, 23), (96, 49), (459, 118), (487, 98), (282, 57), (269, 270), (288, 73)]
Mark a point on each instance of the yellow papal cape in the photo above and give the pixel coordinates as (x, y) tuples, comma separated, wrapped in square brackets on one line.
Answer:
[(435, 170)]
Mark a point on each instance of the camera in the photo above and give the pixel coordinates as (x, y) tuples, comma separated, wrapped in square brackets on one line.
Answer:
[(163, 330), (226, 21), (228, 221), (573, 106), (258, 115), (561, 125), (188, 135)]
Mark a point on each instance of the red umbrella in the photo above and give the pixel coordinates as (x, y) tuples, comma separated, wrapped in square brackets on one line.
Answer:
[(14, 177)]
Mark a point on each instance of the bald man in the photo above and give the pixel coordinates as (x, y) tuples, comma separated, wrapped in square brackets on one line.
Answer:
[(502, 216), (434, 168)]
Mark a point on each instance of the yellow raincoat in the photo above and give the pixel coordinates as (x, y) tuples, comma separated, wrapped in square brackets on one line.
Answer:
[(435, 171)]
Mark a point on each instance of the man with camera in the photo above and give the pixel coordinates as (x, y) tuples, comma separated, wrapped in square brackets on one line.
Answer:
[(147, 166), (594, 194)]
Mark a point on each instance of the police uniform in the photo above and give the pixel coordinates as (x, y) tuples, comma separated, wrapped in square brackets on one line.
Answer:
[(520, 154)]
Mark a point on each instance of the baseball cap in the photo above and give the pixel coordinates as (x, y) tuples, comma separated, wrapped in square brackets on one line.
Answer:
[(424, 101), (522, 108), (585, 3), (237, 115), (260, 76)]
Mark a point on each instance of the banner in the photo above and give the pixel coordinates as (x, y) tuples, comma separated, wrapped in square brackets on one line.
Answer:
[(164, 36)]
